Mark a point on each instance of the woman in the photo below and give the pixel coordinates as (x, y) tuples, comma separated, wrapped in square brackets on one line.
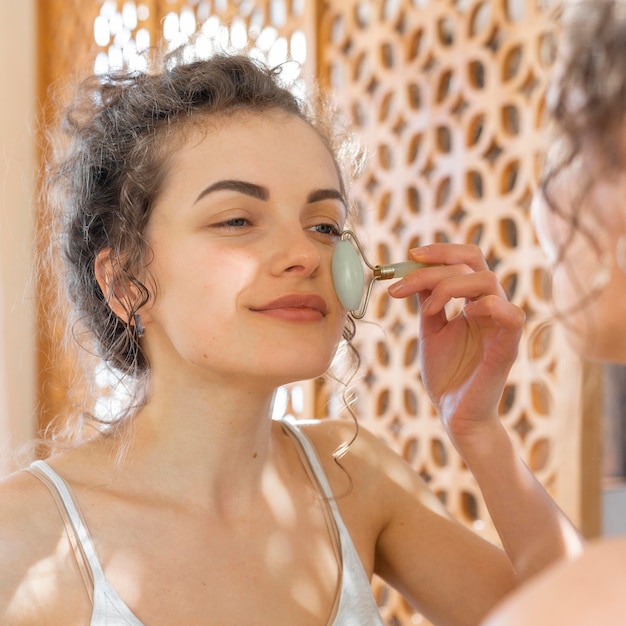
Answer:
[(201, 205), (581, 221)]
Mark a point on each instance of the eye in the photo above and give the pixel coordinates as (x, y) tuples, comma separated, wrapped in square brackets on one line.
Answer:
[(331, 230), (233, 223)]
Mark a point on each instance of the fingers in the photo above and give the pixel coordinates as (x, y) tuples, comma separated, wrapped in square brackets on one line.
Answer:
[(451, 254), (456, 282), (457, 276), (457, 271), (501, 311)]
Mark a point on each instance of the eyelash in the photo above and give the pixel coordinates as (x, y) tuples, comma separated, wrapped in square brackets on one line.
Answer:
[(231, 223), (242, 222), (334, 230)]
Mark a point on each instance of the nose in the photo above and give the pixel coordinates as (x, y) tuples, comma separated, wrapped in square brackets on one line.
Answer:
[(294, 252)]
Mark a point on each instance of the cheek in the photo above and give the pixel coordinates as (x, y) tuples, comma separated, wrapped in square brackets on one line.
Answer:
[(188, 291), (578, 244), (217, 272), (571, 288), (580, 275), (587, 299)]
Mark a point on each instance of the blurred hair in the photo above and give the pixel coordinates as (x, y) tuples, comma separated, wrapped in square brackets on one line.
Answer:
[(586, 103)]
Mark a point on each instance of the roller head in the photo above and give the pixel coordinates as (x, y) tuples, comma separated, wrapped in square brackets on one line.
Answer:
[(348, 275)]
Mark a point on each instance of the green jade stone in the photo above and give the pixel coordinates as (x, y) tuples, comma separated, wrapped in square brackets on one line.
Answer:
[(348, 275)]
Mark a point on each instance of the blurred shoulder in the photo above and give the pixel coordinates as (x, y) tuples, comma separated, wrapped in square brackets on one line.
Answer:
[(29, 537), (26, 507), (37, 565), (587, 590)]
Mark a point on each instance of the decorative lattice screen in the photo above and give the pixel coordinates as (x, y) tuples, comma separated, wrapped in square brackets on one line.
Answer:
[(447, 96)]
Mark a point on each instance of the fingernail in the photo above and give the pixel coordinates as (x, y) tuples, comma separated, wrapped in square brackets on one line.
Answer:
[(417, 253), (395, 288)]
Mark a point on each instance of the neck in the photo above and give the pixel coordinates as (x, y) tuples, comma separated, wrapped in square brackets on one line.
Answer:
[(215, 440)]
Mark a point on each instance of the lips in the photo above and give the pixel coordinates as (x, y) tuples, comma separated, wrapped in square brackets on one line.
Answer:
[(304, 306)]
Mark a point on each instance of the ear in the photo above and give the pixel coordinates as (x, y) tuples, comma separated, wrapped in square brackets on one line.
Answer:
[(120, 294)]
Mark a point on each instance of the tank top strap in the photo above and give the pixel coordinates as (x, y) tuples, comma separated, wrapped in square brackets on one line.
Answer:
[(315, 465), (75, 527), (356, 605), (293, 426)]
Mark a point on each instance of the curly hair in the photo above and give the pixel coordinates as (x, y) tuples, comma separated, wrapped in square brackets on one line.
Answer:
[(587, 98), (108, 157), (586, 103), (118, 133)]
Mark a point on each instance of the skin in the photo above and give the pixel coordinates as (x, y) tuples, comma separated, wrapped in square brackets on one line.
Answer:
[(589, 589), (593, 319), (216, 476)]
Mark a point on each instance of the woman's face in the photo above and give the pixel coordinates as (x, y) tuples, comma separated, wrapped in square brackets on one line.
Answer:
[(242, 237), (588, 285)]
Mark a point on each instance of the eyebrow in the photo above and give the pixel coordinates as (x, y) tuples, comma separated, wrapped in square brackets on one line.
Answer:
[(325, 194), (262, 193), (240, 186)]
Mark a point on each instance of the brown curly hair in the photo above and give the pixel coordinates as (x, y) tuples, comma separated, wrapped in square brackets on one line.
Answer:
[(117, 135), (586, 101), (586, 104)]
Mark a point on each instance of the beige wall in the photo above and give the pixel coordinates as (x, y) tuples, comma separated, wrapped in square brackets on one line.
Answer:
[(17, 173)]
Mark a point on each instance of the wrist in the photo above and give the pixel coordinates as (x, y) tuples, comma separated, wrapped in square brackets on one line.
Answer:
[(479, 441)]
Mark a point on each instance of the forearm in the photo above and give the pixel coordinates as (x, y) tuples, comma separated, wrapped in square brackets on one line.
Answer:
[(533, 529)]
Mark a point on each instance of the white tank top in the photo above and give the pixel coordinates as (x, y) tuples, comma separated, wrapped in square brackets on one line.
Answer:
[(355, 606)]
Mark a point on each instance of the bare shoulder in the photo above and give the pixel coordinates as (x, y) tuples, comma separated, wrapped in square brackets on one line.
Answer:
[(587, 590), (34, 555), (351, 452), (27, 542), (380, 496), (341, 443), (26, 513)]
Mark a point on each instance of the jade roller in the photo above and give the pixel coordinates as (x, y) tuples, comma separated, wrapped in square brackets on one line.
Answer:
[(349, 277)]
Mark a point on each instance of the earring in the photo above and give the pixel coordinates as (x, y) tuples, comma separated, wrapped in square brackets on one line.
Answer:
[(620, 252), (139, 327)]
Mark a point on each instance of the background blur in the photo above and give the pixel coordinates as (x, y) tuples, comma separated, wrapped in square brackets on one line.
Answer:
[(447, 95)]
